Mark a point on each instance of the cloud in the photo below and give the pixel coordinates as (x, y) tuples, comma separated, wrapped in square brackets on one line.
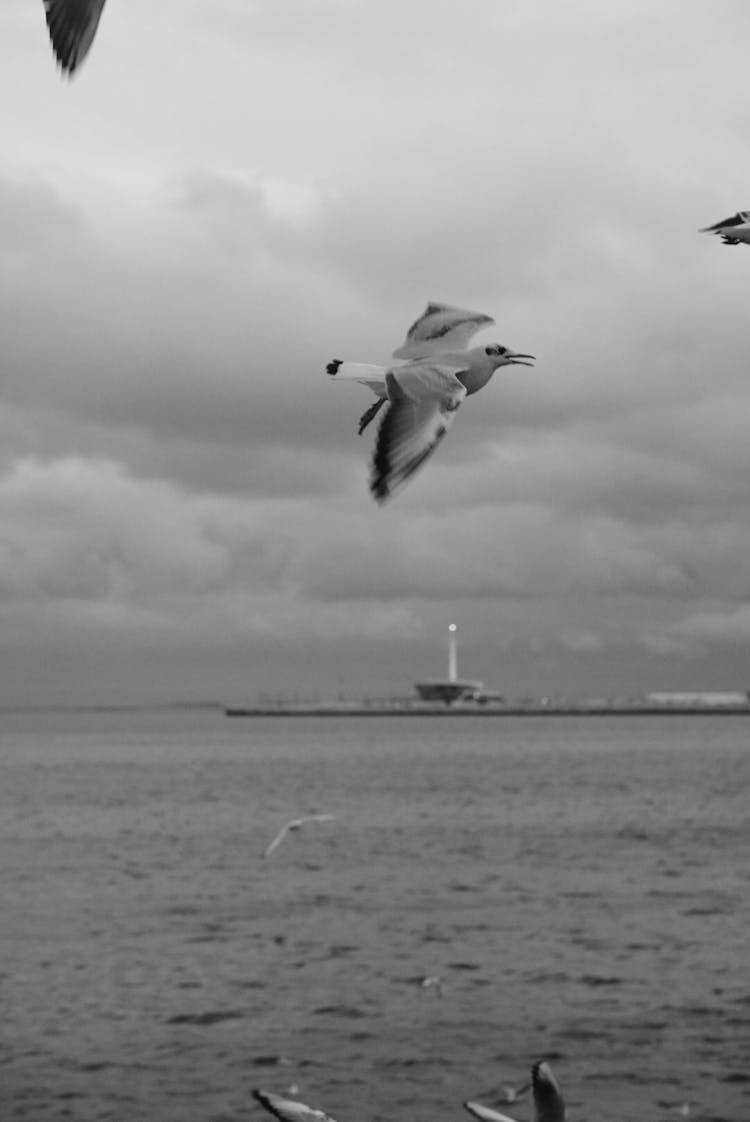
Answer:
[(179, 259)]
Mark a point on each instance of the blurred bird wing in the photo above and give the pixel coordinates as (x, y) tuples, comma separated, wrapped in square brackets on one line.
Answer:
[(289, 1110), (549, 1105), (738, 219), (278, 839), (486, 1113), (294, 824), (72, 26), (423, 398), (441, 328), (366, 373)]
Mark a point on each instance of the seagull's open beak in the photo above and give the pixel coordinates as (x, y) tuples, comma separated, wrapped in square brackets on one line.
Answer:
[(516, 358)]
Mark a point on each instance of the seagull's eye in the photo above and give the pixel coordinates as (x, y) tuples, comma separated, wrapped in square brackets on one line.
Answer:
[(495, 350)]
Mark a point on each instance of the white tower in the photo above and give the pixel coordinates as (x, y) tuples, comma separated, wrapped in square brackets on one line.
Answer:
[(452, 688), (452, 654)]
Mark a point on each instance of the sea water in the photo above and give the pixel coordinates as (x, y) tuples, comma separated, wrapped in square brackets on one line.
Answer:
[(580, 885)]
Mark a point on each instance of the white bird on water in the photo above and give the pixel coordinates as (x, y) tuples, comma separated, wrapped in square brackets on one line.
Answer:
[(548, 1103), (506, 1097), (72, 26), (732, 230), (294, 824), (424, 391)]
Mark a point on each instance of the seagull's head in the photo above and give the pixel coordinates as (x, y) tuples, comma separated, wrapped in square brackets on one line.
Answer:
[(504, 356)]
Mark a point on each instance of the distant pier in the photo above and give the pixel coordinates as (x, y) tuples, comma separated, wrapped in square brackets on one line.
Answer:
[(417, 709)]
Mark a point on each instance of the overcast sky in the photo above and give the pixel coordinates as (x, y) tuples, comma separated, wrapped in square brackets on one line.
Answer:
[(232, 192)]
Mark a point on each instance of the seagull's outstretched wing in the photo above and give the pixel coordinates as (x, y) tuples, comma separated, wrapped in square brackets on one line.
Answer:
[(486, 1113), (289, 1110), (549, 1105), (294, 824), (738, 219), (441, 328), (72, 26), (422, 400)]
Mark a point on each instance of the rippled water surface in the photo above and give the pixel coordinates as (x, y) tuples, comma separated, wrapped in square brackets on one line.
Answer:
[(580, 885)]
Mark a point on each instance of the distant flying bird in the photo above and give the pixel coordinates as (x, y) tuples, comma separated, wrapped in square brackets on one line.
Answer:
[(732, 230), (295, 824), (424, 391), (549, 1105), (72, 26)]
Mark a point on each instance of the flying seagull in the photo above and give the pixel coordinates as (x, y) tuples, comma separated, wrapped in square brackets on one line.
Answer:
[(424, 389), (295, 824), (549, 1105), (732, 230), (72, 26)]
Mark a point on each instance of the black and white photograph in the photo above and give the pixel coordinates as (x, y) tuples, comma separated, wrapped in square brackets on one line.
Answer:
[(374, 560)]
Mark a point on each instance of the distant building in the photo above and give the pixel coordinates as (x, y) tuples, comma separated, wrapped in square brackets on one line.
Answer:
[(701, 699), (451, 689)]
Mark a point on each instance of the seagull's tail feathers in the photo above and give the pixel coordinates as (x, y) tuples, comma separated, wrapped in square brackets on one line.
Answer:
[(366, 373), (355, 371)]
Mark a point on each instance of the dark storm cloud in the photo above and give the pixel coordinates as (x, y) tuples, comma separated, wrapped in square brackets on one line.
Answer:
[(178, 470)]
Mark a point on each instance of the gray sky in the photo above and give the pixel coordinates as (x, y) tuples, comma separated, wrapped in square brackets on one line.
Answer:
[(232, 192)]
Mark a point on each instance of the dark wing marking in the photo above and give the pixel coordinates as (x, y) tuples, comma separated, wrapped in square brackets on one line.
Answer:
[(422, 401), (72, 26)]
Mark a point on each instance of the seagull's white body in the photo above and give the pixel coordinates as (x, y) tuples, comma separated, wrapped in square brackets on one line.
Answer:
[(549, 1105), (732, 230), (294, 824), (424, 389), (72, 26)]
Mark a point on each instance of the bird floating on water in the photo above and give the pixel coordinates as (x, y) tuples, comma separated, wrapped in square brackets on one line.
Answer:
[(72, 26), (549, 1105), (294, 824), (432, 982), (732, 230), (424, 390)]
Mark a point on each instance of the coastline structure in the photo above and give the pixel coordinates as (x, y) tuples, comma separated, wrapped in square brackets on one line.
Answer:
[(451, 689)]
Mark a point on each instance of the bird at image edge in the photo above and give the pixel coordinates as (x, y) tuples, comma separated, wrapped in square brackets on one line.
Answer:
[(72, 26)]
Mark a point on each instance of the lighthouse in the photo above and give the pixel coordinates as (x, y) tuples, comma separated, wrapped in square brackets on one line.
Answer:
[(451, 689)]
